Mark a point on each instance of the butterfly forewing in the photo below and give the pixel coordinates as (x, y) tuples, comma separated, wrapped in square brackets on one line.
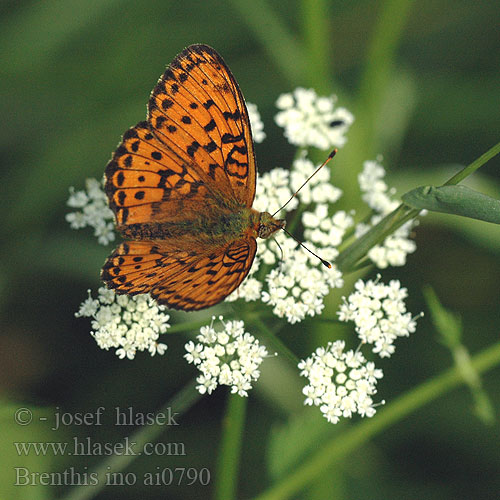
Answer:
[(145, 181), (198, 110), (191, 161)]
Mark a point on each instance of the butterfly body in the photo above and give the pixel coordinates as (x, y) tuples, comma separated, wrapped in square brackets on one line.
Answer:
[(182, 184), (222, 228)]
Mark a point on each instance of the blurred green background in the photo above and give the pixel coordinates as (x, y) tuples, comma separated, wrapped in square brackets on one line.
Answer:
[(422, 79)]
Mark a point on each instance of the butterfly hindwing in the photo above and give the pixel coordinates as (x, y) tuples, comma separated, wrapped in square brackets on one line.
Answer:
[(181, 279)]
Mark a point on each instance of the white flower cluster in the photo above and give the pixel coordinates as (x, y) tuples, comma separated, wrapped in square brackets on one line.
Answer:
[(340, 383), (297, 286), (256, 122), (379, 313), (128, 323), (376, 194), (375, 191), (229, 357), (94, 211), (312, 120)]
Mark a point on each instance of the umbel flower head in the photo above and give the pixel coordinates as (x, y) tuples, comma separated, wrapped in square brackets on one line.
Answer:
[(379, 313), (376, 193), (127, 323), (311, 120), (94, 211), (343, 383), (340, 383), (256, 123), (229, 357)]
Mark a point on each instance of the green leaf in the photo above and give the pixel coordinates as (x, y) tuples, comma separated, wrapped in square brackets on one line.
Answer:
[(456, 200)]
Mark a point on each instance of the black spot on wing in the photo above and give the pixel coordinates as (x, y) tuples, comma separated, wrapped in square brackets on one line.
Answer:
[(210, 125), (232, 116), (166, 104), (192, 148), (210, 147), (230, 138)]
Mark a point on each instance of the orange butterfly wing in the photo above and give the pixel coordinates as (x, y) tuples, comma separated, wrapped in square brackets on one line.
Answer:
[(146, 181), (194, 155), (198, 110), (179, 278)]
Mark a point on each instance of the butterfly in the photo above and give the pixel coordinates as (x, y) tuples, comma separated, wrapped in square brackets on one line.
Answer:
[(181, 185)]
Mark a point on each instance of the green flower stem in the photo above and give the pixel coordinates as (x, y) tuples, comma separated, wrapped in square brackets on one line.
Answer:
[(228, 460), (339, 447), (180, 403), (275, 38), (274, 341), (470, 169), (347, 259)]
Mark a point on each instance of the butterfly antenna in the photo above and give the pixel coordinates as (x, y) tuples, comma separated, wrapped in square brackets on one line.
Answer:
[(330, 156), (323, 261)]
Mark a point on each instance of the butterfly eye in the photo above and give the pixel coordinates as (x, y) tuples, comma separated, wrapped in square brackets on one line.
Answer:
[(268, 225), (265, 231)]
